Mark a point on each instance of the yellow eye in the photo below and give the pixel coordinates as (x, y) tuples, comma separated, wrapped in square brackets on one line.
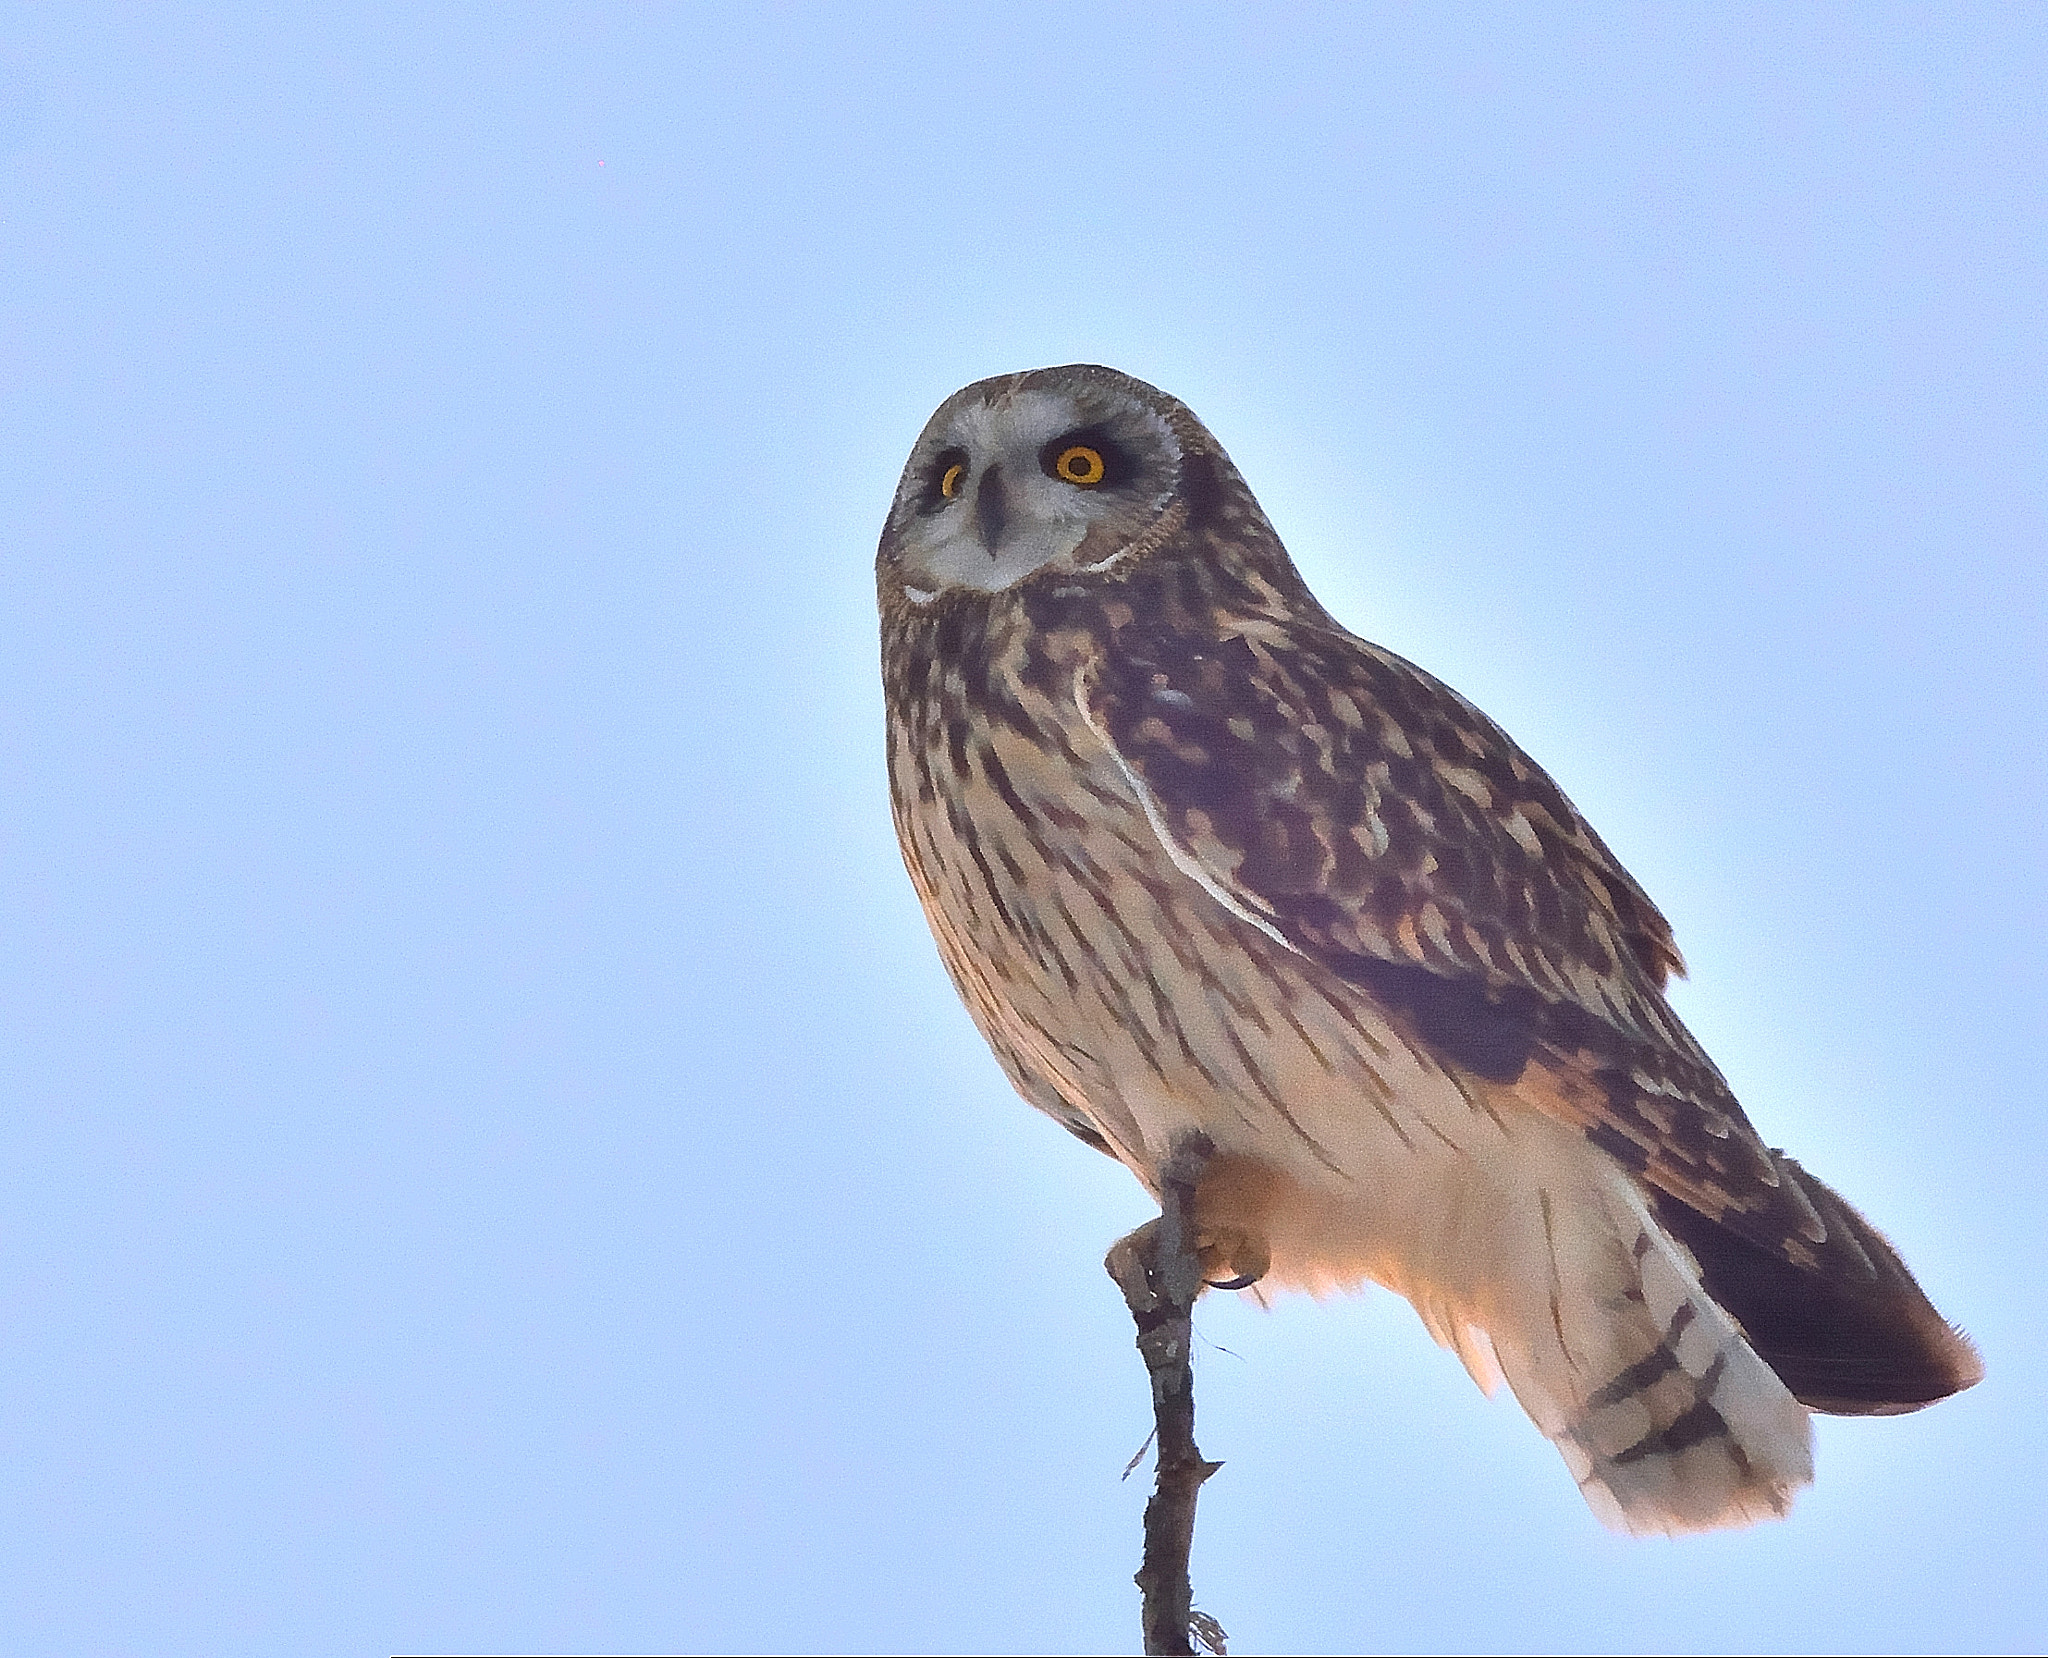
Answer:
[(951, 479), (1079, 464)]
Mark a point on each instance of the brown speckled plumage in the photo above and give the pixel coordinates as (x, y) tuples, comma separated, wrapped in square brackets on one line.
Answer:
[(1198, 857)]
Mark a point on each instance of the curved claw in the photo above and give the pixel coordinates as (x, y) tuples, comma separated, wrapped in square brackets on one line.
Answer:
[(1238, 1259)]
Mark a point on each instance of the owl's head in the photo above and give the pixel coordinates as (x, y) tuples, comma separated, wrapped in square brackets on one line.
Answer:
[(1072, 469)]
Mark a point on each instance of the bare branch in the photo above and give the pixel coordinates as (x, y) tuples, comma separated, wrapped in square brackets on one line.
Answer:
[(1160, 1274)]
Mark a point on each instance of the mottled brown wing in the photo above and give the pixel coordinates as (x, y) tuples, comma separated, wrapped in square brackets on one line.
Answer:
[(1370, 818)]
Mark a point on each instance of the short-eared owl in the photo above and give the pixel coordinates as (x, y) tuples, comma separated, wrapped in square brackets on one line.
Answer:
[(1200, 859)]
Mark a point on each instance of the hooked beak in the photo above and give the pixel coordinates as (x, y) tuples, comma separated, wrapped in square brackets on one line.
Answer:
[(990, 509)]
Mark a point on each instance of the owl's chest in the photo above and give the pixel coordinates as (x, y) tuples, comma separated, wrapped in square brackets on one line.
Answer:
[(1025, 839), (1115, 988), (1094, 966)]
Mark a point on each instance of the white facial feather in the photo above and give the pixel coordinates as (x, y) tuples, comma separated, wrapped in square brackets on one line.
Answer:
[(1045, 519)]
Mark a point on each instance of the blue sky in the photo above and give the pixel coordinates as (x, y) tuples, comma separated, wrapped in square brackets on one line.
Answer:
[(492, 1161)]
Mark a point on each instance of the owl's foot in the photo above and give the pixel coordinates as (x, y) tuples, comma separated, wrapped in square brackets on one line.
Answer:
[(1232, 1259)]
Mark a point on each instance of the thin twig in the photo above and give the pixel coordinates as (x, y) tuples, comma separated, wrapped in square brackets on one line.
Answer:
[(1160, 1275)]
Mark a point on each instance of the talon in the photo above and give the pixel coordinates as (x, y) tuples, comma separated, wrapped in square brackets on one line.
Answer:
[(1231, 1259)]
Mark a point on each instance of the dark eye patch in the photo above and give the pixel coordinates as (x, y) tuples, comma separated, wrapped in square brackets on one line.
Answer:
[(942, 467), (1117, 465)]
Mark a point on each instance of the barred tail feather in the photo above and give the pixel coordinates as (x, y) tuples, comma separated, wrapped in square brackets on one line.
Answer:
[(1536, 1259), (1666, 1416)]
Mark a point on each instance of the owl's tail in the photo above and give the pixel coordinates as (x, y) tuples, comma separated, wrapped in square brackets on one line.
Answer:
[(1535, 1258), (1666, 1416)]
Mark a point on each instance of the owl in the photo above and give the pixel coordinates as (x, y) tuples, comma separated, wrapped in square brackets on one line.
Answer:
[(1199, 860)]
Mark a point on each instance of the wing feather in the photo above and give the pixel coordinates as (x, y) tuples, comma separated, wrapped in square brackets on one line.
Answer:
[(1370, 818)]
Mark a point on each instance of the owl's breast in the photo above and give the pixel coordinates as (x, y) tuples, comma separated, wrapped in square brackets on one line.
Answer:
[(1114, 988), (1022, 838)]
